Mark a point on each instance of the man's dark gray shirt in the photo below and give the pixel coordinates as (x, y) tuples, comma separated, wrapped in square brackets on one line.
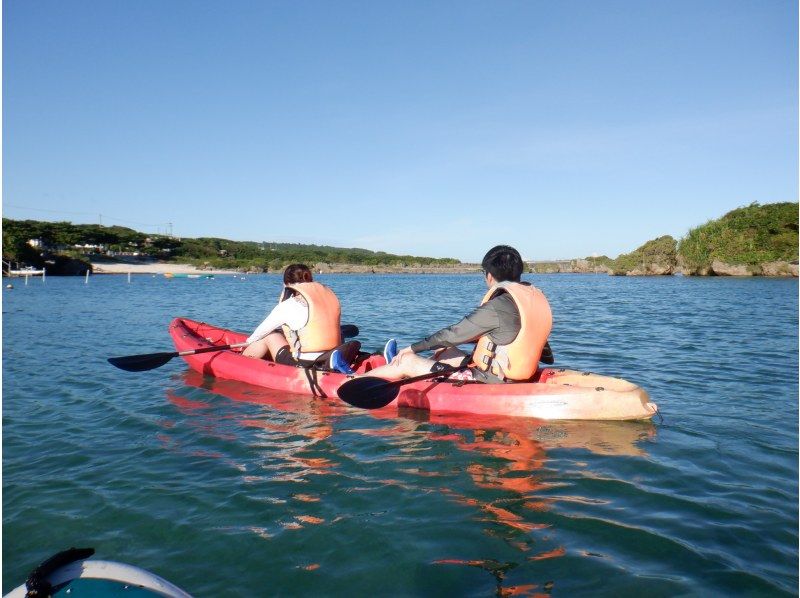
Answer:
[(498, 317)]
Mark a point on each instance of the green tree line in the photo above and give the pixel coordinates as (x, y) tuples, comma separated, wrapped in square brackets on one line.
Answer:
[(61, 238)]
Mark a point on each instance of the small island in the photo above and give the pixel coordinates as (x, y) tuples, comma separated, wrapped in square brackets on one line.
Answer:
[(754, 240)]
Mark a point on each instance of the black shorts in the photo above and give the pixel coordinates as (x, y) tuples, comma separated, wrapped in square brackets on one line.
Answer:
[(284, 357), (348, 350)]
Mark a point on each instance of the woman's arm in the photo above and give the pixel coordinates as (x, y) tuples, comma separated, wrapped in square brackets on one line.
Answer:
[(289, 312)]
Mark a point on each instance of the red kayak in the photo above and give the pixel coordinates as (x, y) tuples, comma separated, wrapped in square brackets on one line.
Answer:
[(553, 394)]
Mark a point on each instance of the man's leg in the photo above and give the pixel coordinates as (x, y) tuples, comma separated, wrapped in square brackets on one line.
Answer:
[(408, 366), (451, 356)]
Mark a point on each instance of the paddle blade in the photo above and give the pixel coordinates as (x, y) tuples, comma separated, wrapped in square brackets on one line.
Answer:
[(141, 363), (368, 393), (547, 356), (349, 331)]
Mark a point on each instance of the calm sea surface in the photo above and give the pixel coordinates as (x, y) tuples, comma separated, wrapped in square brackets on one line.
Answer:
[(228, 489)]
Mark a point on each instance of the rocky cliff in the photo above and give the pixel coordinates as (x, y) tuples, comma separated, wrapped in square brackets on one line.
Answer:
[(655, 258)]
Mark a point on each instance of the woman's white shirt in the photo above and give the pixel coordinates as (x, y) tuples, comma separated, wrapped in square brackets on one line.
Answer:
[(292, 313)]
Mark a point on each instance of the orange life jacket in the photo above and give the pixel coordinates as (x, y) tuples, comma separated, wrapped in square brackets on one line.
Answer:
[(519, 359), (322, 331)]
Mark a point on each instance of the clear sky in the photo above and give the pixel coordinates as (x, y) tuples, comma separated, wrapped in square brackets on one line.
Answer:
[(564, 128)]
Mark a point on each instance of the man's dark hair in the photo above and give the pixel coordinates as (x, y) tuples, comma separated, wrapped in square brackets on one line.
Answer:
[(504, 263)]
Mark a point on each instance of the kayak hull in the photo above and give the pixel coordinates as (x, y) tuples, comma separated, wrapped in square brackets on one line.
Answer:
[(117, 579), (559, 394), (183, 275)]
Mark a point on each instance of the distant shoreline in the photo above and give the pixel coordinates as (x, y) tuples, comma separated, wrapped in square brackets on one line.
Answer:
[(108, 267), (122, 267)]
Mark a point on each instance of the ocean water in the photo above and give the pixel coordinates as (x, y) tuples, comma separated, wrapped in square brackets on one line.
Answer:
[(228, 489)]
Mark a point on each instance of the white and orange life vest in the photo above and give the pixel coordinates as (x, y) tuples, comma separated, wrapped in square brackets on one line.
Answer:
[(322, 331), (519, 359)]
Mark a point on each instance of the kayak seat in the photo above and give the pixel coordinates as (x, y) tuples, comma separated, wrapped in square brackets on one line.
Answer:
[(363, 359), (348, 351), (542, 375)]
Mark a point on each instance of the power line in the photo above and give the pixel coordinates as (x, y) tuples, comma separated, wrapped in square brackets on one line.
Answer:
[(11, 205), (162, 224), (136, 223)]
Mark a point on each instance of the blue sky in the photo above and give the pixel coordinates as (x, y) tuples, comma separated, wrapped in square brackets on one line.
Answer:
[(565, 128)]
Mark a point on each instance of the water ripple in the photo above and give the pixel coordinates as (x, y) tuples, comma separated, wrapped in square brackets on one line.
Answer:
[(222, 487)]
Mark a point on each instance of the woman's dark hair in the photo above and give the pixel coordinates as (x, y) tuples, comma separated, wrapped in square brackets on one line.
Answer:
[(296, 273), (504, 263)]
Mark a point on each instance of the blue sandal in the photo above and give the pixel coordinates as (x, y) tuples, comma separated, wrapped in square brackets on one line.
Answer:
[(337, 362), (390, 350)]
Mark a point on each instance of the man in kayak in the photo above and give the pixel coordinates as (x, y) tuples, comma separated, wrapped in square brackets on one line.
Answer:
[(510, 329), (303, 326)]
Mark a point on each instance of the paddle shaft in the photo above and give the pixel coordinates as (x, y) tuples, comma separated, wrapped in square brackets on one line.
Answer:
[(428, 376), (210, 349), (348, 330), (372, 392), (149, 361)]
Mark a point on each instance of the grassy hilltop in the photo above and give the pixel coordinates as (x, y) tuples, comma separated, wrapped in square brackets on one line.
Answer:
[(658, 256), (752, 240), (748, 236)]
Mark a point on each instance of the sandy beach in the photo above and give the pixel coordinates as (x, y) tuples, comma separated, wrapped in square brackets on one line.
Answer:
[(152, 268)]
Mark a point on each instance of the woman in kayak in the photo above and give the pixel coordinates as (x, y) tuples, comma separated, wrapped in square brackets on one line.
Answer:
[(303, 326), (510, 328)]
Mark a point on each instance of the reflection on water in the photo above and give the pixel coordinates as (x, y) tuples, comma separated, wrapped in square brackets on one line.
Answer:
[(507, 470), (521, 441), (603, 437)]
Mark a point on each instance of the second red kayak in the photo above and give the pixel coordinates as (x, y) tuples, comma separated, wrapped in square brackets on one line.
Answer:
[(554, 394)]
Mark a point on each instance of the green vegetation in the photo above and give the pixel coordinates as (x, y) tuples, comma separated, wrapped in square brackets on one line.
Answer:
[(588, 264), (222, 253), (64, 236), (658, 256), (60, 238), (750, 235), (600, 261), (747, 236), (545, 267)]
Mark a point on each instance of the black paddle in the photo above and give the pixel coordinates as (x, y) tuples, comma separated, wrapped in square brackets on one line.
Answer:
[(374, 393), (151, 361), (547, 356)]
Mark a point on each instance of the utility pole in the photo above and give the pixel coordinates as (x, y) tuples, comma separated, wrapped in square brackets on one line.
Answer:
[(169, 225), (100, 218)]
